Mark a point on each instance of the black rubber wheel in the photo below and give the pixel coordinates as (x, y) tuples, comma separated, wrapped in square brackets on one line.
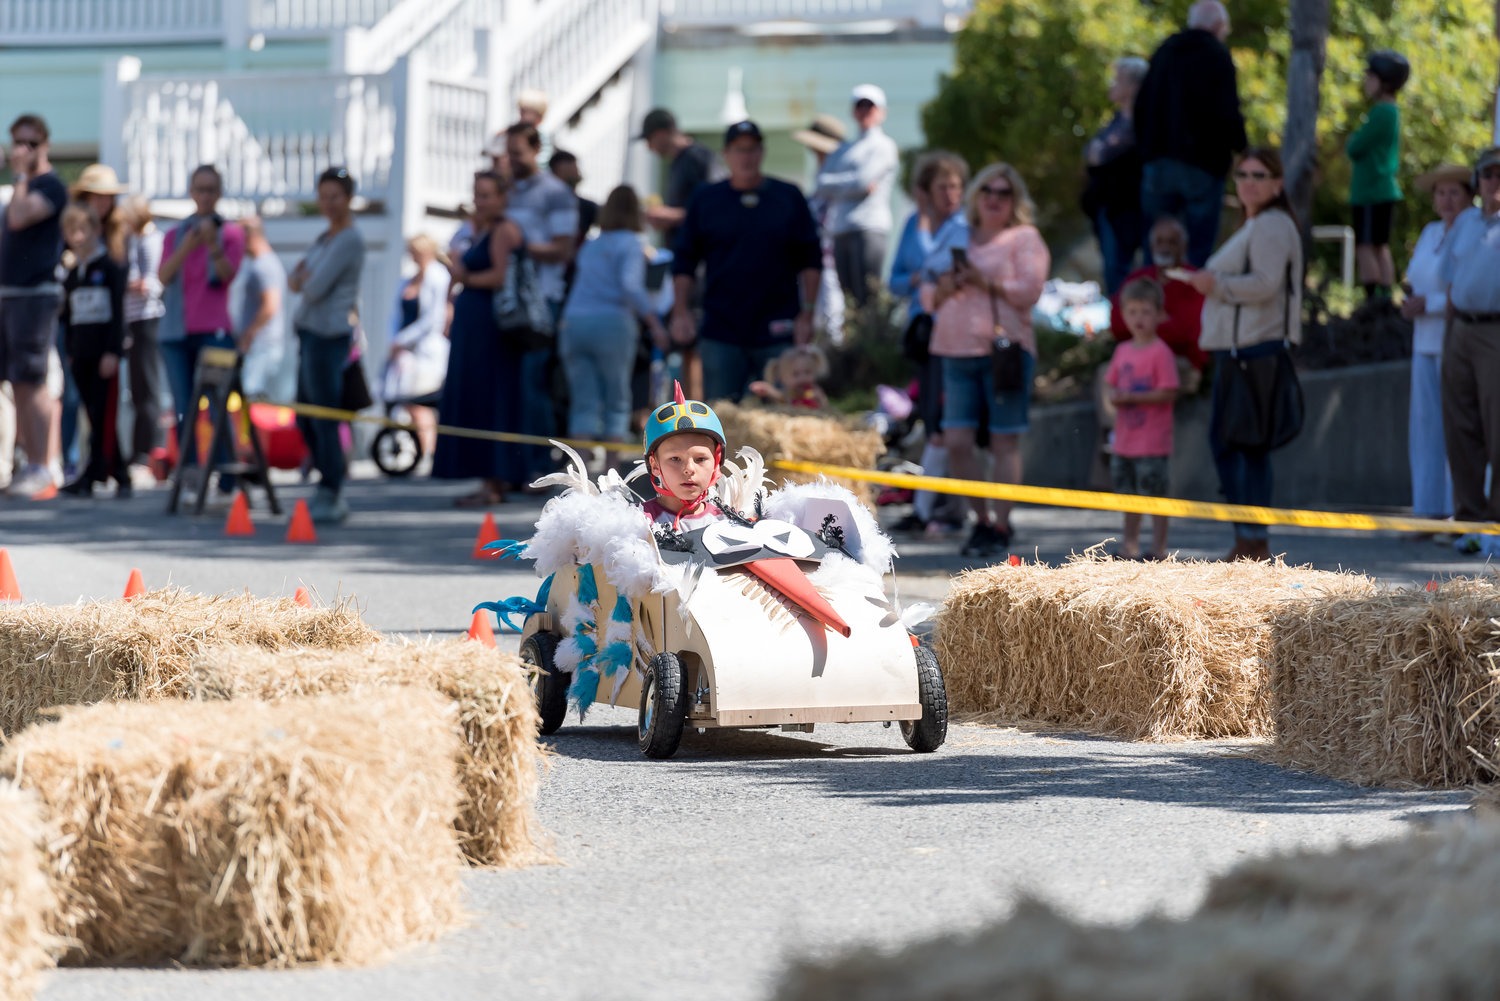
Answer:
[(548, 684), (396, 451), (927, 734), (664, 703)]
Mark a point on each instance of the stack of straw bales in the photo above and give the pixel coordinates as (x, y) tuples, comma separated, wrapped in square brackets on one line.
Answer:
[(827, 439), (1399, 687), (141, 649), (1155, 651), (1409, 919), (27, 898), (500, 762), (247, 832)]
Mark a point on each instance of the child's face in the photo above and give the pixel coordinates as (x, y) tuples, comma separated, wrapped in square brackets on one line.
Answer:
[(1141, 318), (802, 372), (78, 234), (1372, 86), (685, 465)]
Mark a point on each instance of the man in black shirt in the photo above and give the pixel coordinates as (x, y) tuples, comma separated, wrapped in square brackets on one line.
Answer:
[(758, 243), (31, 246), (1188, 126), (690, 165)]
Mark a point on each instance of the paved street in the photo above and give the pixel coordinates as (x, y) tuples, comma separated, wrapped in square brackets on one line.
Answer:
[(708, 871)]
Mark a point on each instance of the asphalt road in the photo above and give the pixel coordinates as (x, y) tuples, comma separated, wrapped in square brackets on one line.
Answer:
[(708, 871)]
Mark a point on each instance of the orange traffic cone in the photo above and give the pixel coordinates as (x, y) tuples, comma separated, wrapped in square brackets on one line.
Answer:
[(9, 589), (302, 597), (239, 522), (301, 528), (479, 629), (135, 585), (1013, 560), (487, 533)]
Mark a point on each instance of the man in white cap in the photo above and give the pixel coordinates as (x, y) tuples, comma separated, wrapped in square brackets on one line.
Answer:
[(856, 182)]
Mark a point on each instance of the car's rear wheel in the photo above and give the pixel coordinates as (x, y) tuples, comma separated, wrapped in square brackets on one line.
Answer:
[(664, 703), (548, 685), (928, 733)]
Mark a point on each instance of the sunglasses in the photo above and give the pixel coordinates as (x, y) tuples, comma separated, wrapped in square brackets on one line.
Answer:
[(1490, 173), (1252, 175), (997, 192)]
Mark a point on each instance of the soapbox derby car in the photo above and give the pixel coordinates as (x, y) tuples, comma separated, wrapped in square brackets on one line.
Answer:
[(775, 617)]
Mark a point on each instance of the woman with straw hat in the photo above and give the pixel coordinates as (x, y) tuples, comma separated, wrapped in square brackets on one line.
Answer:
[(1452, 190), (97, 187)]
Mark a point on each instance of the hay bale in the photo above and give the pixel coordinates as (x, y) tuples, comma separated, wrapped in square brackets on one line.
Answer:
[(249, 833), (825, 438), (1346, 925), (97, 651), (500, 763), (1157, 651), (1399, 687), (27, 896)]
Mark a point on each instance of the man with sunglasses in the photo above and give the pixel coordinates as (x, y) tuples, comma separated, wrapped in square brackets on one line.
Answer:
[(1471, 351), (31, 246), (856, 182)]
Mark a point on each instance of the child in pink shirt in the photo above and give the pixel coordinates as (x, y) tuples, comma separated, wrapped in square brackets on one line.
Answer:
[(1143, 375)]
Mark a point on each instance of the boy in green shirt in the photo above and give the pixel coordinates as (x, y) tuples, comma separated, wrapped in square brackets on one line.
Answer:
[(1375, 149)]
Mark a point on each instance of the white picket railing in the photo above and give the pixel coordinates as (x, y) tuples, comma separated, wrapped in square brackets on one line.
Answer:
[(315, 16), (456, 133), (601, 139), (734, 13), (78, 22)]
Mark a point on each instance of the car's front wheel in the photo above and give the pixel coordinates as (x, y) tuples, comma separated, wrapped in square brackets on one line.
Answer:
[(664, 704), (549, 686)]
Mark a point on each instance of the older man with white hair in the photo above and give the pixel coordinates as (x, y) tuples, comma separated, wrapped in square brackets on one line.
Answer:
[(856, 182), (1188, 126)]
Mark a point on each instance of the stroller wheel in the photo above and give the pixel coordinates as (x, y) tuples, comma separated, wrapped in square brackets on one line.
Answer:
[(396, 451)]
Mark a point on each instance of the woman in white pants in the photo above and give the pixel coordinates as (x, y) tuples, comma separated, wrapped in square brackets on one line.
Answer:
[(1425, 304)]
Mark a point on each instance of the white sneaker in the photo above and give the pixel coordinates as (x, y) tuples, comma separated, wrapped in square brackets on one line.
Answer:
[(36, 483)]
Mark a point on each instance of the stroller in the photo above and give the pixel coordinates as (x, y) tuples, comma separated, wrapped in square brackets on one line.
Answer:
[(398, 451)]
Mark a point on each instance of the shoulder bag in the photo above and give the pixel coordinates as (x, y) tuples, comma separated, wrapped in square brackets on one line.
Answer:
[(1260, 404), (520, 311), (916, 341), (1007, 357)]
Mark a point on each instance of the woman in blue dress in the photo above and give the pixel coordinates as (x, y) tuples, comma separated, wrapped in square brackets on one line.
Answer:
[(483, 388)]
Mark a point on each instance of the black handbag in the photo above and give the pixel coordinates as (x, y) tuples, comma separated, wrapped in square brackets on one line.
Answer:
[(521, 313), (355, 394), (1007, 357), (916, 341), (1260, 403)]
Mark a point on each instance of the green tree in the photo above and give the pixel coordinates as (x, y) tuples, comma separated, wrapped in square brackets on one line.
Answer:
[(1030, 75)]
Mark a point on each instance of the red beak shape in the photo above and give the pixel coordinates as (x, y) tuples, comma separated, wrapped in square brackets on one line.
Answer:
[(787, 577)]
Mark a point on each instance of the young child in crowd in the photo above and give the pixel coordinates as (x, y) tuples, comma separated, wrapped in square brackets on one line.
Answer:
[(684, 443), (1143, 376), (93, 315), (1375, 150), (793, 377)]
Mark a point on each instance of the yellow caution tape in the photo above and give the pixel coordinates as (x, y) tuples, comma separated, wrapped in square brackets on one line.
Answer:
[(1016, 492)]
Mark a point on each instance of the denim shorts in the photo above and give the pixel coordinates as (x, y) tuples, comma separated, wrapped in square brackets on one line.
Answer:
[(970, 400)]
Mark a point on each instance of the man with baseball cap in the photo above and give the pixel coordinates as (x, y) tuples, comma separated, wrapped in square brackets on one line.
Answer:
[(856, 182), (1471, 349), (758, 244), (690, 165)]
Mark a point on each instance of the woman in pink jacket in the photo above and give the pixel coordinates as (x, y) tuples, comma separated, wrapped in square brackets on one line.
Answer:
[(981, 297)]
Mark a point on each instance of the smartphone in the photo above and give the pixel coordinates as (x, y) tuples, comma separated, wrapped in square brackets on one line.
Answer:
[(960, 257)]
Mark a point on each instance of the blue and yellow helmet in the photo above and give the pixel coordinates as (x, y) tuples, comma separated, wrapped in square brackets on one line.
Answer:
[(680, 417)]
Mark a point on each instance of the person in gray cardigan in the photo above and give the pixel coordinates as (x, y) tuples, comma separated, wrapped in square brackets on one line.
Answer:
[(328, 281), (1252, 288)]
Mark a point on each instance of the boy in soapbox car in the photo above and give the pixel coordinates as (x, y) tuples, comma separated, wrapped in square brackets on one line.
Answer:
[(720, 604)]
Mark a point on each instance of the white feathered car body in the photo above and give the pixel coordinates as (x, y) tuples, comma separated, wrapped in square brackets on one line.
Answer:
[(776, 618)]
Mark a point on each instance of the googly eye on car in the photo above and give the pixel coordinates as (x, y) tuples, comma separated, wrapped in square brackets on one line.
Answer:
[(726, 540)]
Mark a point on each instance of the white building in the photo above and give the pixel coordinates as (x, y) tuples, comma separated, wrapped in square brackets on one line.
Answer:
[(405, 93)]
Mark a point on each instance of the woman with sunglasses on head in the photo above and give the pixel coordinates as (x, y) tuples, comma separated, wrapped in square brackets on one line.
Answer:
[(1252, 288), (981, 297), (328, 280)]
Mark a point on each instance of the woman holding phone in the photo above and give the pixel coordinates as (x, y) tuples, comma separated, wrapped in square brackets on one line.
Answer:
[(981, 298)]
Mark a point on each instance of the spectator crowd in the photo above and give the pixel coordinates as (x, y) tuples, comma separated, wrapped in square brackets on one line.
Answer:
[(547, 314)]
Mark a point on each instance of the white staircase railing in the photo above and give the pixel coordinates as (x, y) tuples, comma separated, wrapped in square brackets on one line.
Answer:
[(733, 13), (601, 139), (112, 22), (571, 48)]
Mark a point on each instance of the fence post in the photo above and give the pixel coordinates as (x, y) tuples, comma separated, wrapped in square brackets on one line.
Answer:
[(408, 183)]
